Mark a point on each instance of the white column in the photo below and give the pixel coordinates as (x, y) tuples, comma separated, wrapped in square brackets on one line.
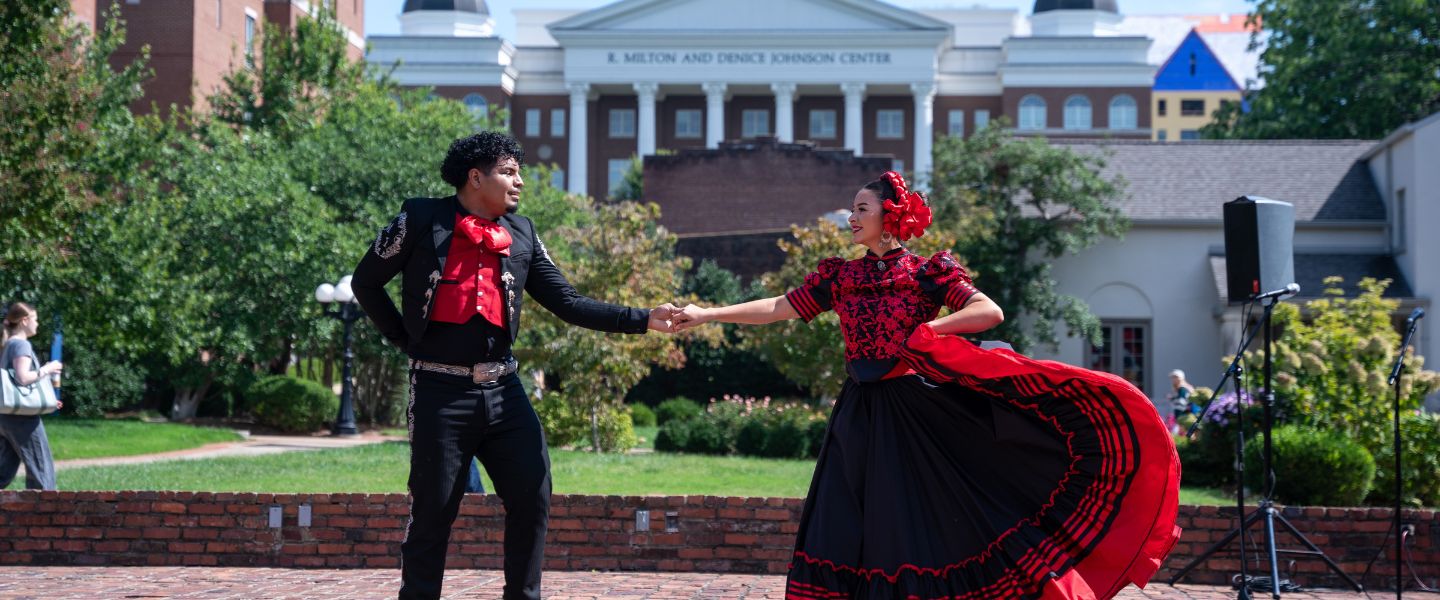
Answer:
[(714, 114), (854, 121), (646, 132), (784, 111), (579, 109), (924, 129)]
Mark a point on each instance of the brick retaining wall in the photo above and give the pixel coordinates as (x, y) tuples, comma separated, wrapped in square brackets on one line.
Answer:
[(686, 533)]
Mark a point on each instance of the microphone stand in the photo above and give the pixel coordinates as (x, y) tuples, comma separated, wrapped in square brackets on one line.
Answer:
[(1395, 374), (1237, 370), (1266, 510)]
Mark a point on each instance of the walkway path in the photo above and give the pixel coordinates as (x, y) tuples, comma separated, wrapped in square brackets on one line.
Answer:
[(251, 446), (211, 583)]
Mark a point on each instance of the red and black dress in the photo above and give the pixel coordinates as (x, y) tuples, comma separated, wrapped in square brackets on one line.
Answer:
[(951, 472)]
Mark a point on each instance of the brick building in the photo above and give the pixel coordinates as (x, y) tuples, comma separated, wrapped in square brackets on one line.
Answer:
[(587, 90), (194, 43)]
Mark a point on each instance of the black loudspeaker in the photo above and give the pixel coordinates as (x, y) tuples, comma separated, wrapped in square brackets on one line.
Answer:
[(1259, 246)]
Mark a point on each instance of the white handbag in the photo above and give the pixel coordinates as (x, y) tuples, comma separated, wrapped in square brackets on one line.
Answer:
[(26, 400)]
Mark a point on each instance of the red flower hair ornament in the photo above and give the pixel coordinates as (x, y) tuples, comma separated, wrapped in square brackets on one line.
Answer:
[(907, 215)]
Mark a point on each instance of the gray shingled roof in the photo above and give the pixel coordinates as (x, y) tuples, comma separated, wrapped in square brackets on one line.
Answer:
[(1312, 269), (1324, 179)]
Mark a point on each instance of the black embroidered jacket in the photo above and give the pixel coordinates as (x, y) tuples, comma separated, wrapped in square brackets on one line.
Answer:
[(416, 244)]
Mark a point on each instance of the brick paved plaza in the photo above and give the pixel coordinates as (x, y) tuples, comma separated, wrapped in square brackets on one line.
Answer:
[(56, 583)]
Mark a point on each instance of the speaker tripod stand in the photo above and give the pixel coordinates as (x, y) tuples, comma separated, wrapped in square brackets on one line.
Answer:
[(1266, 511)]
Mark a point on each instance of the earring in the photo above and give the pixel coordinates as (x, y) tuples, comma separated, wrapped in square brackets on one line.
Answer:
[(886, 237)]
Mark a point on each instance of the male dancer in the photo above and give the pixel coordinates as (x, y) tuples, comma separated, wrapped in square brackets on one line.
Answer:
[(463, 261)]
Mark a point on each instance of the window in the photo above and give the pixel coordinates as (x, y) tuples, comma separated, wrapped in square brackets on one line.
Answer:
[(622, 123), (1123, 112), (1192, 64), (532, 122), (889, 124), (1124, 351), (822, 124), (1077, 112), (1032, 112), (754, 122), (250, 40), (1189, 134), (688, 123), (956, 126), (1397, 224), (618, 167), (1192, 108), (982, 119), (1161, 134), (557, 178), (1160, 107), (477, 104), (897, 166), (557, 122)]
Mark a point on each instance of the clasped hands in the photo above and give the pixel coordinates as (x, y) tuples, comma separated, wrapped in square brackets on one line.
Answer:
[(668, 318)]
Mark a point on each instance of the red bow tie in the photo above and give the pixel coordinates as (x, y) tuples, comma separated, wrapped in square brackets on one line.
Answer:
[(486, 233)]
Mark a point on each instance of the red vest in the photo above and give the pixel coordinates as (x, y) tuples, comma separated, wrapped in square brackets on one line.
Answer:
[(471, 281)]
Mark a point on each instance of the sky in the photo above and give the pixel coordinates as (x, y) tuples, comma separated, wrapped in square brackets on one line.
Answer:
[(382, 17)]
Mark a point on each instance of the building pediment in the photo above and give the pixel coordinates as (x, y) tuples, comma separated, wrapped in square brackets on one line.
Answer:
[(691, 17)]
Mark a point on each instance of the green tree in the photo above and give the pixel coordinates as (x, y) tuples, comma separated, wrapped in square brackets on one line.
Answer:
[(215, 273), (813, 354), (614, 253), (1016, 205), (61, 97), (297, 76), (722, 367), (1339, 69)]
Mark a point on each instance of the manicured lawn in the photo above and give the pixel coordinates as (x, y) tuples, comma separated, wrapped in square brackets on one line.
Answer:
[(647, 436), (384, 467), (93, 438)]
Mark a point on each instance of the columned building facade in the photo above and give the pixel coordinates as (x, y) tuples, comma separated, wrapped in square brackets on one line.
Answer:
[(588, 90)]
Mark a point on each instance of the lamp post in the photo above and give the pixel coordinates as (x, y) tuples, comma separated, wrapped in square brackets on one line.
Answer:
[(348, 313)]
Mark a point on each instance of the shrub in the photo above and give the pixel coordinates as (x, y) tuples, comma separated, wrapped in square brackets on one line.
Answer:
[(617, 431), (94, 384), (1209, 459), (566, 424), (642, 415), (786, 439), (676, 408), (816, 431), (291, 404), (674, 435), (1313, 467), (1420, 451), (561, 421), (752, 438), (708, 436)]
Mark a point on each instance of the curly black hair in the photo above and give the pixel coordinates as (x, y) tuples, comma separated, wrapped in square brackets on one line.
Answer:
[(480, 151)]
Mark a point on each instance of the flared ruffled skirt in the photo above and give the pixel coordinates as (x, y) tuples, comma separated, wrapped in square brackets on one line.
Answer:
[(987, 475)]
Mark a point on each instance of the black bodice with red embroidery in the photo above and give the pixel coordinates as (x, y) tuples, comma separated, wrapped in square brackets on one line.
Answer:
[(880, 301)]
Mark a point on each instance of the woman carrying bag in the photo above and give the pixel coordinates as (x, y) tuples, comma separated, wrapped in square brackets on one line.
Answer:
[(22, 438)]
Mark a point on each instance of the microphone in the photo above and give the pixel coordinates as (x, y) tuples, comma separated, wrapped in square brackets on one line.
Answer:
[(1289, 290), (1416, 315)]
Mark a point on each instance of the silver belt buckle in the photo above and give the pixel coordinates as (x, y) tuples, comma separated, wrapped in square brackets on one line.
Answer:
[(487, 372)]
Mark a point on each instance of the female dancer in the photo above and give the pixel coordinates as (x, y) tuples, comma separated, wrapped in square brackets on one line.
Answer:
[(953, 472)]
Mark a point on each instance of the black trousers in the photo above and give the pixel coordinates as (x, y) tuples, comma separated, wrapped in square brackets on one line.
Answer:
[(451, 420)]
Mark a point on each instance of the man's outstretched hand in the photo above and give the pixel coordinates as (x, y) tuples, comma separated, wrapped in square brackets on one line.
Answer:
[(661, 318)]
